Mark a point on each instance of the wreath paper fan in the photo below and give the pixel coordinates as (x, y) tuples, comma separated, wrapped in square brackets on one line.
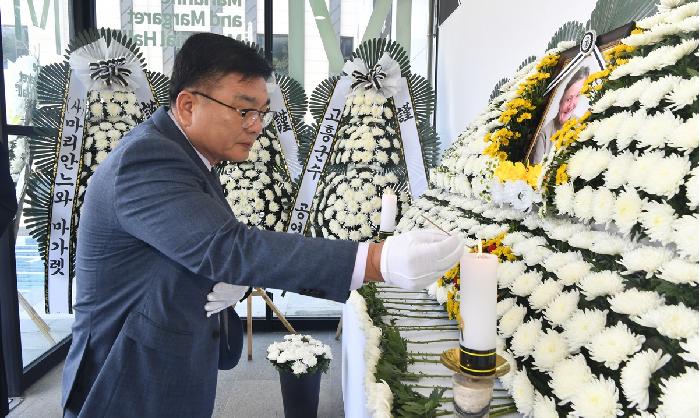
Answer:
[(569, 31), (610, 14)]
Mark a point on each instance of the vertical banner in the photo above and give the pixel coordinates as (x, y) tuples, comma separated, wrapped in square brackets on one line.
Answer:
[(323, 145), (415, 164), (58, 278), (285, 130)]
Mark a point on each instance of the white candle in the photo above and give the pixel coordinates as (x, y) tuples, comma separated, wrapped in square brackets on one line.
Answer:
[(387, 222), (477, 304)]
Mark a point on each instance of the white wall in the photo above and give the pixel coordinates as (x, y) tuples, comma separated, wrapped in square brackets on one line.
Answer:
[(484, 41)]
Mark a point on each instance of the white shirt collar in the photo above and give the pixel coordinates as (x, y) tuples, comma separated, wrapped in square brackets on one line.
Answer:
[(206, 162)]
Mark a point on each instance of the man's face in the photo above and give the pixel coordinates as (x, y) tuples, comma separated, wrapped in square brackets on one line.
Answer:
[(221, 133), (568, 102)]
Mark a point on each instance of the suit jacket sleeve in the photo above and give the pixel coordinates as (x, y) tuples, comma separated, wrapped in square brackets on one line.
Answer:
[(8, 202), (160, 198)]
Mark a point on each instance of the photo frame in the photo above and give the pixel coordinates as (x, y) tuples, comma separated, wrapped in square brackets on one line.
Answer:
[(564, 100)]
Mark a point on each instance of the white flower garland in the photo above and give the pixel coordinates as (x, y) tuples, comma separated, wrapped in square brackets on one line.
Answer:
[(379, 396)]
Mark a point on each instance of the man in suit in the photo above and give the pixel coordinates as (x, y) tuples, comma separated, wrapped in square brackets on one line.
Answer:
[(156, 235)]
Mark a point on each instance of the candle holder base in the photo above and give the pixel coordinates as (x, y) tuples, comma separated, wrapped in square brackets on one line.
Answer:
[(472, 396), (450, 359)]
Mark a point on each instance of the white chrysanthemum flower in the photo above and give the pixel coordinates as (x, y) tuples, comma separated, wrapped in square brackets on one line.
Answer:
[(691, 349), (602, 205), (638, 172), (610, 245), (635, 302), (543, 294), (657, 219), (523, 392), (614, 345), (601, 283), (562, 307), (647, 259), (691, 191), (680, 271), (87, 159), (568, 376), (672, 321), (679, 395), (686, 137), (525, 337), (101, 156), (597, 162), (564, 198), (572, 272), (535, 255), (550, 349), (685, 94), (635, 376), (666, 176), (544, 407), (685, 236), (513, 238), (628, 208), (653, 133), (508, 271), (652, 96), (577, 162), (511, 320), (525, 283), (557, 260), (582, 326), (616, 174), (562, 231), (597, 398), (583, 201), (504, 306)]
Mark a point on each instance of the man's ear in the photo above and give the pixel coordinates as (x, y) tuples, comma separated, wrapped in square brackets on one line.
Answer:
[(184, 105)]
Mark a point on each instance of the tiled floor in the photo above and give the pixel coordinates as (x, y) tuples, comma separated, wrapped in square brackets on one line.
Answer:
[(250, 390)]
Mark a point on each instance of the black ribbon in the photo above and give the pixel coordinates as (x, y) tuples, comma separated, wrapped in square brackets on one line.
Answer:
[(373, 78), (110, 71)]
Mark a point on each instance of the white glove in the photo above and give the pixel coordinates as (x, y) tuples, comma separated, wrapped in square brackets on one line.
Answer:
[(222, 296), (415, 259)]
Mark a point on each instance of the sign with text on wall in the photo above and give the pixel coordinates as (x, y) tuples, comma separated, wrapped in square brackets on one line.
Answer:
[(176, 20)]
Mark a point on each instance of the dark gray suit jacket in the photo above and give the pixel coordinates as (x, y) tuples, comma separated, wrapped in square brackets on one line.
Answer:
[(155, 235)]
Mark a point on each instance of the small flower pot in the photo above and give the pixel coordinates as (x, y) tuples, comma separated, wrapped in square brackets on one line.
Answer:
[(300, 394)]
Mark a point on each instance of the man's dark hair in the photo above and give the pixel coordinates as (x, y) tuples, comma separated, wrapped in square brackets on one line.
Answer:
[(207, 56)]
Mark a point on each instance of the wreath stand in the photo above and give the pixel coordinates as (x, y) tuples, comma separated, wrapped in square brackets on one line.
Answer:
[(249, 318)]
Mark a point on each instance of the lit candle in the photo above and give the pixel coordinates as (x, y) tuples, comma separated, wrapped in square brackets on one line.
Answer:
[(387, 222), (477, 307)]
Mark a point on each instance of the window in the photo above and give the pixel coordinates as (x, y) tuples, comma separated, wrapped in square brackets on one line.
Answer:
[(34, 33)]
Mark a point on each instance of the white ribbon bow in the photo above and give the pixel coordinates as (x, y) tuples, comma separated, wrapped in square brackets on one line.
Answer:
[(383, 77), (104, 68)]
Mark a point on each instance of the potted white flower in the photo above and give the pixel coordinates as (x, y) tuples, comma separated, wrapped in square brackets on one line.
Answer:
[(300, 360)]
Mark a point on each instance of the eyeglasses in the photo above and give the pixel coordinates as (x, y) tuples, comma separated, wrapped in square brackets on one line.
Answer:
[(250, 116)]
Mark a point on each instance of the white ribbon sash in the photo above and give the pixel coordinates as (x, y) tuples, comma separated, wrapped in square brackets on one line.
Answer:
[(285, 130), (70, 145), (323, 145), (417, 174)]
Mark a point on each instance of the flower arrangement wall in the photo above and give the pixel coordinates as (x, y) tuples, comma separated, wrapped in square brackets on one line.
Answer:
[(84, 107), (597, 291), (260, 190), (383, 141)]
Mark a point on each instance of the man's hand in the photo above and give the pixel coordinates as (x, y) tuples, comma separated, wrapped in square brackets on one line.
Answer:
[(415, 259), (222, 296)]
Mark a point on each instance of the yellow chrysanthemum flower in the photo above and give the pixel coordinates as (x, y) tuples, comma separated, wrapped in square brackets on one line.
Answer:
[(562, 176)]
